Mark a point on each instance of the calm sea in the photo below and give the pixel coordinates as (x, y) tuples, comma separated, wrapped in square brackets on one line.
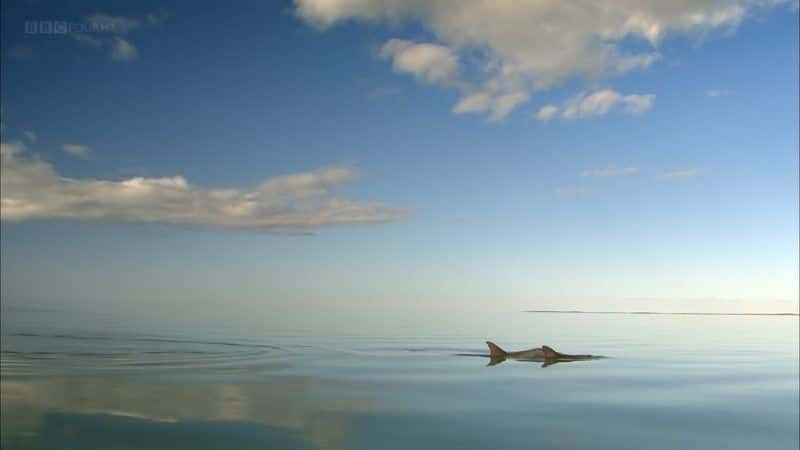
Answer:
[(669, 382)]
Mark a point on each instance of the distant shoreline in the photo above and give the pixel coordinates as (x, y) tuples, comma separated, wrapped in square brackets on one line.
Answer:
[(658, 313)]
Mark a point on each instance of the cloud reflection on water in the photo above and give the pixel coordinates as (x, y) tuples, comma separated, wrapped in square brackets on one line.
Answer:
[(291, 410)]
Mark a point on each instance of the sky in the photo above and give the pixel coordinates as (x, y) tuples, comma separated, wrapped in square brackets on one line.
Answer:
[(284, 159)]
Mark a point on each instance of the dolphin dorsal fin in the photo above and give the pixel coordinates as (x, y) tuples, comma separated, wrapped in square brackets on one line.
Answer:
[(549, 353), (496, 352)]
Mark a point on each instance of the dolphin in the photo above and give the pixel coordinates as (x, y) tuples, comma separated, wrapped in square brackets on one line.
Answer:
[(542, 354)]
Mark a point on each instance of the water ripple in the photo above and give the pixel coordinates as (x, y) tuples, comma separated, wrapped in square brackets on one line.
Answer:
[(25, 354)]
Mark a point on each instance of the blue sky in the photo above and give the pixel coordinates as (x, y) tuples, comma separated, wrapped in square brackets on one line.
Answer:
[(643, 160)]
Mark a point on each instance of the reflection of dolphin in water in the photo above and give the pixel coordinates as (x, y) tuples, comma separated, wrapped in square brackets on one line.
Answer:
[(543, 354)]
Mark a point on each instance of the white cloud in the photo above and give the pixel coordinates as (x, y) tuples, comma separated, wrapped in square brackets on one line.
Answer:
[(81, 151), (503, 104), (30, 135), (604, 101), (475, 102), (158, 17), (679, 174), (123, 51), (120, 50), (636, 103), (108, 31), (610, 171), (518, 47), (32, 189), (430, 63), (713, 93), (547, 112), (11, 149), (598, 103), (595, 104), (498, 106), (88, 40), (112, 24)]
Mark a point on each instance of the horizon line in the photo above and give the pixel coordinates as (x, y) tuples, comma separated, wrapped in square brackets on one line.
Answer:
[(659, 313)]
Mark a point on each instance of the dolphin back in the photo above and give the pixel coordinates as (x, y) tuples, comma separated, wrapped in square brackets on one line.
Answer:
[(543, 354), (495, 352), (549, 353)]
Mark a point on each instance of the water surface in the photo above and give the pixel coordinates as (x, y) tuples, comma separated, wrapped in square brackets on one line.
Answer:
[(669, 382)]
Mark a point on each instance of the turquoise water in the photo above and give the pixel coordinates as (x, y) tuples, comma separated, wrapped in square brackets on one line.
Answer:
[(668, 382)]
